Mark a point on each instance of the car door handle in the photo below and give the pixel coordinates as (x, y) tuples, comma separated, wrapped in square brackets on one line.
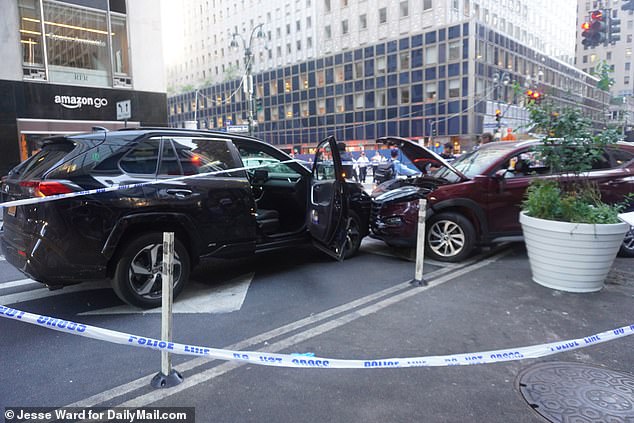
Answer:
[(179, 193)]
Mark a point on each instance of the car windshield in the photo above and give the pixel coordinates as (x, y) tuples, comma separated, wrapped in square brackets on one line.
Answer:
[(475, 162)]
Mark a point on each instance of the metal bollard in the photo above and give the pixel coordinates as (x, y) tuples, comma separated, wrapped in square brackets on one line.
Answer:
[(420, 244), (168, 377)]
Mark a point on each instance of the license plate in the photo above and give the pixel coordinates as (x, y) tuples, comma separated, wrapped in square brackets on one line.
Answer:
[(11, 211)]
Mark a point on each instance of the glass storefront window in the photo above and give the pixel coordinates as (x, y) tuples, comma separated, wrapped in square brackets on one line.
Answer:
[(79, 48), (76, 45), (120, 52), (31, 33)]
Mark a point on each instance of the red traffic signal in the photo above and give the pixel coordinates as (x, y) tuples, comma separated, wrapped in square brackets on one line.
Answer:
[(596, 15), (534, 95)]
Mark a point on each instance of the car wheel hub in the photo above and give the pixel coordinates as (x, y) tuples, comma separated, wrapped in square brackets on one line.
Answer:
[(144, 274), (446, 238)]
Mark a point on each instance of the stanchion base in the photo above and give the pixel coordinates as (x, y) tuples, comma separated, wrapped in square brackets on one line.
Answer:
[(416, 282), (162, 381)]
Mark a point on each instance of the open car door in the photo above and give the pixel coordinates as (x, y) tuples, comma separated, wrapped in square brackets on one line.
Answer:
[(328, 202)]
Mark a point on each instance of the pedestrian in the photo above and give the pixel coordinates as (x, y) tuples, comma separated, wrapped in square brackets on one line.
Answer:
[(447, 151), (485, 138), (376, 161), (363, 163), (400, 168)]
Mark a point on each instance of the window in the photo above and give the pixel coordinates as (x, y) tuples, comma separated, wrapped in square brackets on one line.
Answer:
[(143, 159), (363, 21), (327, 5), (339, 105), (309, 42), (298, 25), (431, 55), (454, 50), (404, 95), (344, 27), (380, 65), (321, 80), (427, 4), (328, 32), (404, 9), (430, 91), (288, 29), (404, 61), (309, 22), (359, 101), (358, 70), (454, 88), (339, 74), (382, 15)]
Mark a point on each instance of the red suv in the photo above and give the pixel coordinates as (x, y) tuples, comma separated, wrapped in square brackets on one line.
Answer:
[(476, 198)]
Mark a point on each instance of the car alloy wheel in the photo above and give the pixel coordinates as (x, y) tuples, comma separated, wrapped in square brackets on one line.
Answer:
[(145, 271), (137, 277), (450, 237), (353, 236)]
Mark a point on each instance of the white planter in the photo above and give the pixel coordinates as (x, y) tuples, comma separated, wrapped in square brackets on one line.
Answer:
[(572, 257)]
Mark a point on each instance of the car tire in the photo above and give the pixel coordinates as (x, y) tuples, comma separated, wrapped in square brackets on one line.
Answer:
[(627, 248), (137, 278), (449, 237), (354, 236)]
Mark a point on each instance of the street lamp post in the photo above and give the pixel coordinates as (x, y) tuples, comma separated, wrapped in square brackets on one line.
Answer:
[(500, 79), (248, 63)]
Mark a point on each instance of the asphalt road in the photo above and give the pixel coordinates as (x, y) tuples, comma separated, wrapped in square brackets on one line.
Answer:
[(299, 301)]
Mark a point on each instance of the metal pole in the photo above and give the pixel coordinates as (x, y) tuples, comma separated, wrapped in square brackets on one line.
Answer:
[(196, 108), (420, 244), (249, 82), (167, 377)]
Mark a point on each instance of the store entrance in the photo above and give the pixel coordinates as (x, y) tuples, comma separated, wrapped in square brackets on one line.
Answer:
[(31, 132)]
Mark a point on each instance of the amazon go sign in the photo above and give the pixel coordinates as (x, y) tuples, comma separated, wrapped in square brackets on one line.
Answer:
[(76, 102)]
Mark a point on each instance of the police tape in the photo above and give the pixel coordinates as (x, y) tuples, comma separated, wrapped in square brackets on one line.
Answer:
[(116, 187), (306, 361)]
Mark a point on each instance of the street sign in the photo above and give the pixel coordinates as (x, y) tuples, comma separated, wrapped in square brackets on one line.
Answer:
[(124, 110), (238, 128)]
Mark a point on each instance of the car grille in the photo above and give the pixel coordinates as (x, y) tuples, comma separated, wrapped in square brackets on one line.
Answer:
[(375, 212)]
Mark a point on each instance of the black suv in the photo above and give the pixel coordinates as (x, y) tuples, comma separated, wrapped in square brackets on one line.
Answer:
[(274, 203)]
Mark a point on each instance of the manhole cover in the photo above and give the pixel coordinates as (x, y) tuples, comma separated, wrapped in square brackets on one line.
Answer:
[(571, 392)]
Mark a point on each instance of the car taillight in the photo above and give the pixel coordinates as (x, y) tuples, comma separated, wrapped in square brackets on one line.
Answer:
[(45, 188)]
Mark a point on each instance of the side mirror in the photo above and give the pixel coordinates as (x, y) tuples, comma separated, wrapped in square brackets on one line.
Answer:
[(260, 176)]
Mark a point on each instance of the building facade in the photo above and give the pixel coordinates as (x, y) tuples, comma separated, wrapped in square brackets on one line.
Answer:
[(69, 63), (444, 83), (300, 30)]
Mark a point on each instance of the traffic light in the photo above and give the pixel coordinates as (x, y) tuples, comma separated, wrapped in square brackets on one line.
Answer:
[(628, 5), (595, 31), (498, 115), (258, 104), (534, 96), (614, 30)]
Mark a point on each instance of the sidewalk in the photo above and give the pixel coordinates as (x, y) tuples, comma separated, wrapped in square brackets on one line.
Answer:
[(495, 306)]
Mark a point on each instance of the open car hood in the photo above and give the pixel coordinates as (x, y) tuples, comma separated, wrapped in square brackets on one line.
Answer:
[(420, 156)]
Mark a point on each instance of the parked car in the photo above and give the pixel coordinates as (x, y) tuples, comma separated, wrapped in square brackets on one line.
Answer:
[(476, 199), (118, 234)]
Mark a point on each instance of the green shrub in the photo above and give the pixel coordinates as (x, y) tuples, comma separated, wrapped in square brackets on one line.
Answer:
[(569, 148)]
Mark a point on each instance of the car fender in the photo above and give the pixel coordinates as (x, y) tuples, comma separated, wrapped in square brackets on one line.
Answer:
[(462, 203), (152, 221)]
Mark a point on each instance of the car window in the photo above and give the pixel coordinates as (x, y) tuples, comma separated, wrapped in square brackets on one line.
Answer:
[(43, 160), (203, 155), (601, 162), (620, 156), (324, 168), (472, 164), (527, 163), (169, 162), (142, 159), (254, 157)]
